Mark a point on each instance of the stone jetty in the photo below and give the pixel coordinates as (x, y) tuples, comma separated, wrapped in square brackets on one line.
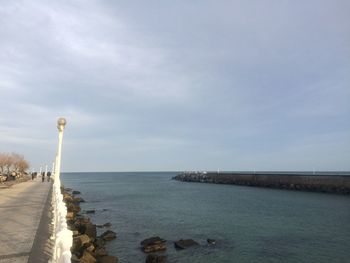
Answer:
[(326, 182)]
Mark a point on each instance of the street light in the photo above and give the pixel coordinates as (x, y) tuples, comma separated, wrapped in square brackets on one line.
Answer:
[(61, 123), (62, 235)]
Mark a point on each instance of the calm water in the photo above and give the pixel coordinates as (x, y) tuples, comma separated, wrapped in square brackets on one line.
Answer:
[(250, 224)]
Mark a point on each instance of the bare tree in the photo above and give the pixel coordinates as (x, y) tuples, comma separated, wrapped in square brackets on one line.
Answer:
[(3, 159), (12, 163), (8, 163), (23, 165)]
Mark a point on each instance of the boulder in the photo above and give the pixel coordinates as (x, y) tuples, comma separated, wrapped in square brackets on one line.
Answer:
[(91, 211), (70, 215), (152, 258), (109, 235), (99, 242), (211, 241), (84, 239), (67, 198), (72, 207), (185, 243), (90, 230), (90, 248), (78, 200), (104, 225), (76, 192), (75, 259), (100, 252), (87, 258), (108, 259), (153, 244), (76, 244)]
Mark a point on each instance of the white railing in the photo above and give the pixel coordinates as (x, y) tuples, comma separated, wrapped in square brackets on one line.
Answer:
[(62, 236)]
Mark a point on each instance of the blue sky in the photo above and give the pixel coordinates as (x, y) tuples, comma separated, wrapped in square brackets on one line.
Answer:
[(177, 85)]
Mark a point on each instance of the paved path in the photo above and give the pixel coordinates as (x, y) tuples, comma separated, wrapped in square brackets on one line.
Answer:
[(21, 220)]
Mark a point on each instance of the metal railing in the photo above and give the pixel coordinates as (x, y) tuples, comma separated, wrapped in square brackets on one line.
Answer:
[(62, 236)]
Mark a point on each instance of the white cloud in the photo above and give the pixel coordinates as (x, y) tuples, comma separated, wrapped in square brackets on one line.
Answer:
[(172, 78)]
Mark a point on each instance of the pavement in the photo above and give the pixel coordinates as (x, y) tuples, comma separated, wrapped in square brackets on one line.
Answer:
[(25, 222)]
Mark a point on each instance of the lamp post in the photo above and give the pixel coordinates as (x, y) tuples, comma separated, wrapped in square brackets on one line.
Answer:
[(61, 123)]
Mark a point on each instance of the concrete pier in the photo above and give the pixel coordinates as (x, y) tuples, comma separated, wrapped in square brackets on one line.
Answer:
[(25, 222), (325, 182)]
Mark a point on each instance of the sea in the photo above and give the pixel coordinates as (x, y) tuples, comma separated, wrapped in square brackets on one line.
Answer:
[(249, 224)]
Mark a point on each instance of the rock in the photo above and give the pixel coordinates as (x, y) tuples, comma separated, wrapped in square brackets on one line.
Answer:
[(185, 243), (211, 241), (100, 252), (84, 239), (72, 207), (81, 228), (99, 242), (67, 198), (90, 230), (108, 235), (87, 258), (108, 259), (81, 223), (70, 215), (90, 248), (76, 193), (153, 244), (91, 211), (155, 259), (78, 200), (75, 259), (76, 244), (104, 225)]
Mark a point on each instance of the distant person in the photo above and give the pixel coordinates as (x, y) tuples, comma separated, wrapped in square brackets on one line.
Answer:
[(48, 176), (33, 175), (42, 177)]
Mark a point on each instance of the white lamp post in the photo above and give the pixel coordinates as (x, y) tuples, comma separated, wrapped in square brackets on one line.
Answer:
[(61, 123), (62, 235)]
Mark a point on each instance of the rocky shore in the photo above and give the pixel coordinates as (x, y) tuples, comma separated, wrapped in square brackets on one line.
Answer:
[(315, 183), (87, 246)]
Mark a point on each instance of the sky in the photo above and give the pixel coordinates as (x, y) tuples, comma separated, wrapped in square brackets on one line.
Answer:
[(177, 85)]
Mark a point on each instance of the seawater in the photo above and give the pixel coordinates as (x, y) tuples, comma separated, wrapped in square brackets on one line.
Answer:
[(249, 224)]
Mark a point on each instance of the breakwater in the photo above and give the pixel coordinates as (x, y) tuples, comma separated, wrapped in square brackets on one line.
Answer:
[(325, 182)]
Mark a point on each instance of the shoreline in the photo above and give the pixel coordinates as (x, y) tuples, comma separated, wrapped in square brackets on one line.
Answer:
[(87, 245)]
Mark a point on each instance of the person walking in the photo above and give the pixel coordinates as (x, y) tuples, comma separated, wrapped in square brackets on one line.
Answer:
[(48, 176), (43, 177)]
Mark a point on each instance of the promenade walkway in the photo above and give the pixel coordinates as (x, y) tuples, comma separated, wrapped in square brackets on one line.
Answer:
[(24, 222)]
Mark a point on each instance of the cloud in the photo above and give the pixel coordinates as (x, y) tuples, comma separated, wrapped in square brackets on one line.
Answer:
[(163, 85)]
